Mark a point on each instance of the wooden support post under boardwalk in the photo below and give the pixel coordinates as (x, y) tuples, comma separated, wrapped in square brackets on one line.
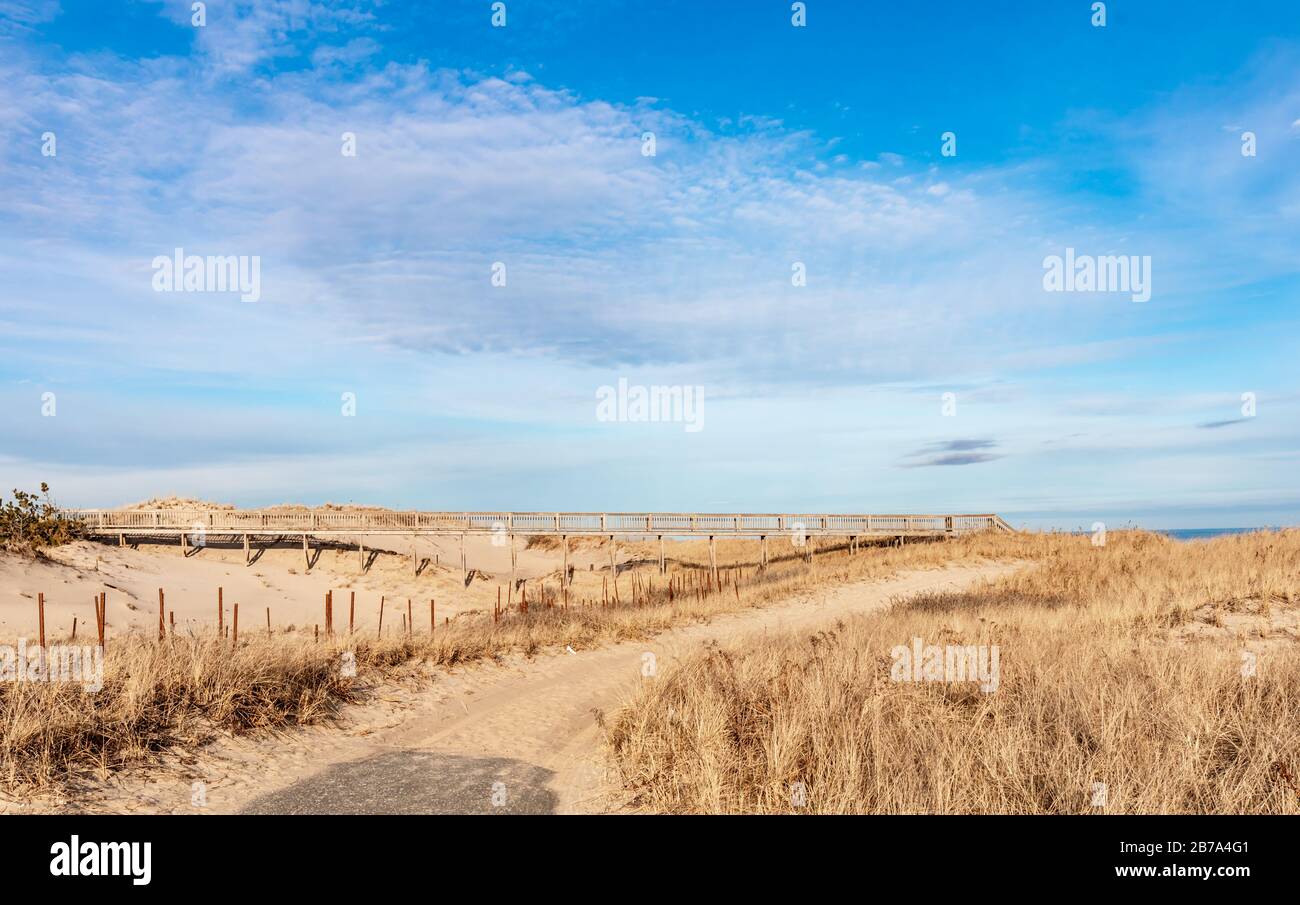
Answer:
[(713, 557), (613, 558), (121, 539), (462, 558), (361, 557), (183, 545), (306, 554), (246, 554), (663, 563), (564, 577), (763, 544)]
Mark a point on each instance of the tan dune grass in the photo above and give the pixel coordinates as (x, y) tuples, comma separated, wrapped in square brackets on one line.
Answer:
[(1098, 685)]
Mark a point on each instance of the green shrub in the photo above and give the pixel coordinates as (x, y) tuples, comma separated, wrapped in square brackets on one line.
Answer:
[(31, 521)]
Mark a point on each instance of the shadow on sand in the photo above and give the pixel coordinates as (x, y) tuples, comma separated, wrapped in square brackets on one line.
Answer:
[(416, 782)]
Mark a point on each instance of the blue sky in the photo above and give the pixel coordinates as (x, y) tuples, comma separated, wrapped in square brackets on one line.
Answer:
[(774, 144)]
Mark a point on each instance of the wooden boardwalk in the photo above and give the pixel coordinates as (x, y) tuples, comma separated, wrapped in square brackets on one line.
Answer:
[(198, 527), (328, 523)]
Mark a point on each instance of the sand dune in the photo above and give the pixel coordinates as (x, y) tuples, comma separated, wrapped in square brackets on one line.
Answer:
[(279, 578)]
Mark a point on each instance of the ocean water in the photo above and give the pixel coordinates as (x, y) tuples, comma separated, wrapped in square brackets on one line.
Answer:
[(1203, 533)]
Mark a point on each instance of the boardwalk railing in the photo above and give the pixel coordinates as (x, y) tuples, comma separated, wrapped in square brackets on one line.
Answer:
[(668, 524)]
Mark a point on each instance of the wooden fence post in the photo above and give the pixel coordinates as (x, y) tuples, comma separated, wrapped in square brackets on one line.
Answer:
[(102, 611), (510, 595)]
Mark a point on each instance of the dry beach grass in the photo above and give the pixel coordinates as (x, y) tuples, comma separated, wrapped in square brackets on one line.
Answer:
[(1104, 679), (1119, 665)]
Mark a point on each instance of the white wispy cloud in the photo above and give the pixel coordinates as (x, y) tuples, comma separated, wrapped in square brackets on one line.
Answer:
[(676, 267)]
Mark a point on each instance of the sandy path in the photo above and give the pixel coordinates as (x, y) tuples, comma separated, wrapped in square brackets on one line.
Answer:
[(523, 733)]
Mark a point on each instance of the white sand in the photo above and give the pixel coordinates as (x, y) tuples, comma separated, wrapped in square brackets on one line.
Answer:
[(279, 579)]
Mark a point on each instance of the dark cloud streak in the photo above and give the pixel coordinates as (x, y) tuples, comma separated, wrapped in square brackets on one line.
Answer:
[(952, 452)]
